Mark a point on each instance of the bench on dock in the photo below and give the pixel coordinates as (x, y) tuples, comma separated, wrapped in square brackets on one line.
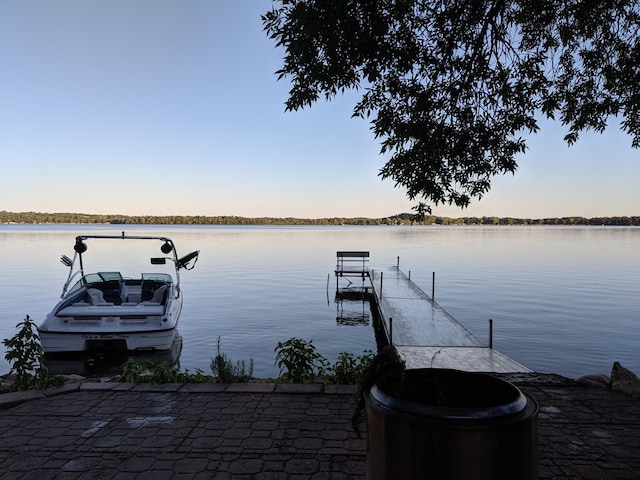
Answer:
[(352, 264)]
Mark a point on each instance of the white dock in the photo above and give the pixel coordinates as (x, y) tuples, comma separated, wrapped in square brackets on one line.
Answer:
[(425, 334)]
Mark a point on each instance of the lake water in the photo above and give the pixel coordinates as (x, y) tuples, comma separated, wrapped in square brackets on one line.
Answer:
[(563, 299)]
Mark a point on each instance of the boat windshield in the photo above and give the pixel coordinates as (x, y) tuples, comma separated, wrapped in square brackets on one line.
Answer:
[(157, 277), (106, 276), (92, 278)]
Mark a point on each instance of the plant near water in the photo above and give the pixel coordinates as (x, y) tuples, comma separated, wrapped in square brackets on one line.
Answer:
[(299, 361), (225, 371), (25, 354), (348, 368), (163, 372)]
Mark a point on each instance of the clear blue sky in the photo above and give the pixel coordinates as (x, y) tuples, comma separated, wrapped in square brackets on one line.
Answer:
[(169, 107)]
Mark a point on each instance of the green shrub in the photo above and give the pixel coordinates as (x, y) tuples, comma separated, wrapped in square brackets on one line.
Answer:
[(25, 354), (299, 361), (348, 368), (225, 371), (163, 372)]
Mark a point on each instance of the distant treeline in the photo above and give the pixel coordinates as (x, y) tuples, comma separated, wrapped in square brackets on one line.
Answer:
[(401, 219)]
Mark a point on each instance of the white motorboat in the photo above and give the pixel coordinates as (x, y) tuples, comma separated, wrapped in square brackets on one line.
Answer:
[(105, 310)]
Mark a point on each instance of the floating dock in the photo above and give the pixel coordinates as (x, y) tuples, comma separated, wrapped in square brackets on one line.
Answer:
[(423, 333)]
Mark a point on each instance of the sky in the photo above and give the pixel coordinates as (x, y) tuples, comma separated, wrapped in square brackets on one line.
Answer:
[(172, 107)]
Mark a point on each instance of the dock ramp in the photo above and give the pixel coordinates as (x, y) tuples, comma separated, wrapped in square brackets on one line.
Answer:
[(424, 334)]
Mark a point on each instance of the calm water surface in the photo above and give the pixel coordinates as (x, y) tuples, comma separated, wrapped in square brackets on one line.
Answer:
[(563, 299)]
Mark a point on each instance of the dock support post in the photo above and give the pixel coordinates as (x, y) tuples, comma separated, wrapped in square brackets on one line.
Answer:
[(398, 262), (381, 275), (433, 285), (409, 275), (490, 333), (328, 278), (390, 331)]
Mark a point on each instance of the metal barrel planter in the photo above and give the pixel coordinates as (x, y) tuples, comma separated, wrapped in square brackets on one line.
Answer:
[(449, 424)]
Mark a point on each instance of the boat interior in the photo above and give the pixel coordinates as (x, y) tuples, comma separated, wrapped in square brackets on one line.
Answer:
[(110, 289)]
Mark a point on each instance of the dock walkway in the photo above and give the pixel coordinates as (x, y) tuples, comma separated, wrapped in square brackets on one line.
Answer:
[(425, 334)]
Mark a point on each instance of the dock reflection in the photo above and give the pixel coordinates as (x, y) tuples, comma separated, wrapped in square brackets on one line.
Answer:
[(353, 307)]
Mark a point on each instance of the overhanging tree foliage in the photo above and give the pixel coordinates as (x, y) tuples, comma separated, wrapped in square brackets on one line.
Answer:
[(451, 86)]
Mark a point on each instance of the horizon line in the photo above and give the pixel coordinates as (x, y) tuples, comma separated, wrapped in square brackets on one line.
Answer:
[(405, 215)]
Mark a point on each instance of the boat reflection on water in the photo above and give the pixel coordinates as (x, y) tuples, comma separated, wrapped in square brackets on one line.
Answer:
[(109, 361)]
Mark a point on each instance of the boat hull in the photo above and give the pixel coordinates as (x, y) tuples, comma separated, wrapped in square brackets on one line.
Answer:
[(76, 342)]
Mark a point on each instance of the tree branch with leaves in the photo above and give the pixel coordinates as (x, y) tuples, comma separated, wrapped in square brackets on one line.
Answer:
[(451, 88)]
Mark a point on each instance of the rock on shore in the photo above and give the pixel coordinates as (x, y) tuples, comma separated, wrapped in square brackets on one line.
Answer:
[(624, 380)]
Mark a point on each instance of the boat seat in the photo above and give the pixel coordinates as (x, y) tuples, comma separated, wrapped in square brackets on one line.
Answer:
[(158, 296), (111, 290), (96, 297)]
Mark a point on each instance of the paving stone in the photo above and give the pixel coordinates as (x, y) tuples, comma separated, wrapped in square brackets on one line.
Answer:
[(258, 387), (157, 387), (295, 388), (137, 464), (257, 443), (266, 425), (191, 465), (305, 466), (340, 389), (98, 385), (244, 466), (39, 474), (124, 386), (81, 464), (204, 387), (8, 400)]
